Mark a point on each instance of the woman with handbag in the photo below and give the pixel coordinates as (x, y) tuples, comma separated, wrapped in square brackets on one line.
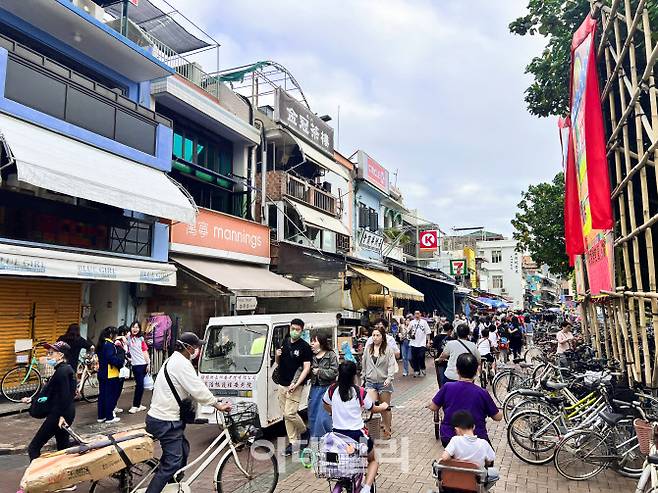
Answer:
[(324, 370), (55, 402), (378, 368), (176, 388), (140, 361), (110, 360)]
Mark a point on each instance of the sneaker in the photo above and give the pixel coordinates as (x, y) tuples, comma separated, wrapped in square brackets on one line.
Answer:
[(101, 420), (70, 488), (416, 374), (405, 374), (117, 410), (422, 373), (134, 409), (287, 452), (111, 421)]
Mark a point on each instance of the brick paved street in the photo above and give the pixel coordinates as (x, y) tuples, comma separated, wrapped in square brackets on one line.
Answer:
[(413, 429)]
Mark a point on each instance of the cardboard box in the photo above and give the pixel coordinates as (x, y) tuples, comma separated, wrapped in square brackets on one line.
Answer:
[(60, 469)]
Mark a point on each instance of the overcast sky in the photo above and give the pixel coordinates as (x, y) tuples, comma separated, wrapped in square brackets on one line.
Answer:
[(432, 90)]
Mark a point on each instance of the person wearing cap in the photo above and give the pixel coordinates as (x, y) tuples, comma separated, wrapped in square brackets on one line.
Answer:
[(60, 391), (163, 419)]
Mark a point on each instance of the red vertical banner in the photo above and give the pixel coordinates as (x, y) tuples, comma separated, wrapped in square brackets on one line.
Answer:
[(587, 186)]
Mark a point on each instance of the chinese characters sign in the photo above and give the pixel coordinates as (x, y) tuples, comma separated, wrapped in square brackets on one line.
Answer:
[(373, 172), (371, 241), (598, 242), (216, 231), (298, 118)]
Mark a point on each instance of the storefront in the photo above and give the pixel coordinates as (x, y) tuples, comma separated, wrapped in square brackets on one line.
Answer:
[(379, 290), (223, 264), (438, 289)]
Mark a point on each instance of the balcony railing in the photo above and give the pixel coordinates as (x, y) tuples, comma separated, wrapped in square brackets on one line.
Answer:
[(281, 184)]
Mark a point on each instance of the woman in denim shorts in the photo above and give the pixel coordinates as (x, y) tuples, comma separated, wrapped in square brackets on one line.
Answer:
[(379, 366)]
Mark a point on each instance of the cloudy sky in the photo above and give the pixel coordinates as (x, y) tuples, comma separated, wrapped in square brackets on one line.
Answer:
[(433, 90)]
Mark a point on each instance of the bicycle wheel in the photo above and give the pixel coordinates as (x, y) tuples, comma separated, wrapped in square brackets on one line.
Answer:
[(20, 382), (532, 436), (504, 384), (581, 455), (437, 424), (90, 388), (483, 378), (126, 480), (631, 464), (258, 462), (533, 354), (512, 400)]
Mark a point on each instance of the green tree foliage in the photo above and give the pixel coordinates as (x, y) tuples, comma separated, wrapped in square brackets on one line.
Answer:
[(556, 20), (539, 225)]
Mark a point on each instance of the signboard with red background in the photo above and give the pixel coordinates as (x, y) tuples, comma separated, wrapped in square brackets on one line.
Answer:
[(429, 240), (373, 172)]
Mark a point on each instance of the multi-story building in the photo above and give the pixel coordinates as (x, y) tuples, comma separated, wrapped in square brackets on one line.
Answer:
[(501, 271), (542, 289), (85, 202)]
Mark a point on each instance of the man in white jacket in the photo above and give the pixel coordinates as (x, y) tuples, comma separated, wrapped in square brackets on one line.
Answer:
[(163, 419)]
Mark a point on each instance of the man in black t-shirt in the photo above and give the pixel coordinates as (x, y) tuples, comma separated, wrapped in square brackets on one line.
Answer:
[(294, 360)]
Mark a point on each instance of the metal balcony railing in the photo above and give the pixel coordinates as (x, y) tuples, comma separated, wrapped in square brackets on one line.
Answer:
[(312, 195)]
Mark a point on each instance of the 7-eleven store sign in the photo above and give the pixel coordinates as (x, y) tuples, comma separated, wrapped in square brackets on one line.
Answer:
[(458, 267)]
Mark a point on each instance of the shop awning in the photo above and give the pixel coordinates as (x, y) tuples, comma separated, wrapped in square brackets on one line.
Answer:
[(52, 161), (319, 219), (397, 288), (40, 262), (243, 279), (312, 154)]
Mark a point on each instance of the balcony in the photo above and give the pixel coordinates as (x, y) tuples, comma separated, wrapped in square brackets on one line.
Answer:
[(44, 85), (281, 184)]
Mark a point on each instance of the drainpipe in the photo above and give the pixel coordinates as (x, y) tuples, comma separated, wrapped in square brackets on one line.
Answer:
[(124, 18), (263, 172)]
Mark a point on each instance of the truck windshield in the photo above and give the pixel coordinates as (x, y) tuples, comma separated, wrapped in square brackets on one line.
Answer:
[(234, 349)]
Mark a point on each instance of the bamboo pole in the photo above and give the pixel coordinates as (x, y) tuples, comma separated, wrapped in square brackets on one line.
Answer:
[(653, 103), (644, 193), (631, 210), (628, 352), (617, 348), (606, 333), (594, 324)]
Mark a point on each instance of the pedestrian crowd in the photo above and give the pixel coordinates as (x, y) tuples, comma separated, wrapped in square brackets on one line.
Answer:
[(339, 392)]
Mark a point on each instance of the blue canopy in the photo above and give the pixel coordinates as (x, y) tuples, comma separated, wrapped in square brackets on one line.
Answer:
[(493, 303)]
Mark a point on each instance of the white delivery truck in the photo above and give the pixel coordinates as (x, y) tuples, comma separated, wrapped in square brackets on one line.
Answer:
[(238, 360)]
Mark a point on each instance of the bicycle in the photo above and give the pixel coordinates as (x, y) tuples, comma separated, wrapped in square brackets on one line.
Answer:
[(346, 467), (647, 435), (246, 463), (24, 380), (88, 380), (486, 373)]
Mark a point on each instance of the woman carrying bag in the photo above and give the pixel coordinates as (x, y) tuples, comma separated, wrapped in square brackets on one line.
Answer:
[(324, 370), (141, 362), (378, 368), (110, 360), (55, 402)]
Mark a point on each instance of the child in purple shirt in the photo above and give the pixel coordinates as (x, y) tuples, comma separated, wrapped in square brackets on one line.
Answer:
[(464, 395)]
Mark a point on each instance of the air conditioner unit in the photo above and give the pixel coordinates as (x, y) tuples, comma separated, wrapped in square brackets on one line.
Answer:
[(135, 33), (91, 8)]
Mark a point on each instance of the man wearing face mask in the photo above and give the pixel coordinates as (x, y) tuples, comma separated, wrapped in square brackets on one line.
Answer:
[(163, 419), (60, 391), (294, 360)]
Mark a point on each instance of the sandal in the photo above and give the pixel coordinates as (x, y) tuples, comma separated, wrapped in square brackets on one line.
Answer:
[(386, 435)]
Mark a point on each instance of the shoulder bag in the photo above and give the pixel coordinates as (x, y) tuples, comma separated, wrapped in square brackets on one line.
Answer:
[(41, 404), (187, 406), (466, 347)]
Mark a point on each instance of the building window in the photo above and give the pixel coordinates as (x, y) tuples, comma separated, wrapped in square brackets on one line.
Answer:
[(368, 218), (329, 241), (63, 99), (496, 256), (342, 243), (497, 282)]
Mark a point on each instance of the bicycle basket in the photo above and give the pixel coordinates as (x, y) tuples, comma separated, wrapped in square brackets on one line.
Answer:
[(644, 432), (339, 466), (242, 421)]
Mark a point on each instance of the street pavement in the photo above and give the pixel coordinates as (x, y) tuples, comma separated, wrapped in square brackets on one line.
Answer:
[(406, 458)]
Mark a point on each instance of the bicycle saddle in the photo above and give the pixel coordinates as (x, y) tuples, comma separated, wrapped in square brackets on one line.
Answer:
[(548, 385), (652, 459), (516, 361), (525, 365), (611, 418), (531, 393)]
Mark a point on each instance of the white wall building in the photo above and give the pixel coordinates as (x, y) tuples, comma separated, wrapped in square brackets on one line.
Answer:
[(501, 271)]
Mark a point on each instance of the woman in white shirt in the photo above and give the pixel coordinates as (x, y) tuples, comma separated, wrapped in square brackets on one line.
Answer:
[(344, 400), (140, 362)]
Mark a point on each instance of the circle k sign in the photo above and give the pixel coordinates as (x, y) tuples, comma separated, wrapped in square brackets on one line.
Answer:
[(429, 240)]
